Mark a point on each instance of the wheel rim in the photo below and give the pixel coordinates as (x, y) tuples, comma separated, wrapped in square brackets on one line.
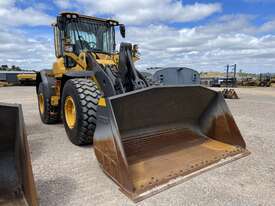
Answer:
[(41, 103), (70, 112)]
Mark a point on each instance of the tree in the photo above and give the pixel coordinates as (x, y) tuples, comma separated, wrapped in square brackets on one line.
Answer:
[(13, 68)]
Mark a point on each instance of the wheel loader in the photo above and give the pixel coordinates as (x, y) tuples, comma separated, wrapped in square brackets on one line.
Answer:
[(17, 186), (146, 139), (26, 78)]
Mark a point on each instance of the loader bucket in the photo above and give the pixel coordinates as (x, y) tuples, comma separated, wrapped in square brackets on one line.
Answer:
[(151, 139), (16, 178)]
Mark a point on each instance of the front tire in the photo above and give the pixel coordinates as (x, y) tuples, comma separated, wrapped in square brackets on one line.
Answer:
[(79, 106)]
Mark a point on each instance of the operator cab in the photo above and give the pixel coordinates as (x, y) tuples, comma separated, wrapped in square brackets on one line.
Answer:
[(76, 33)]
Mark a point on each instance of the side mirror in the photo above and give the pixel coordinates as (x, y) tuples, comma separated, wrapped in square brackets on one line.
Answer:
[(122, 30)]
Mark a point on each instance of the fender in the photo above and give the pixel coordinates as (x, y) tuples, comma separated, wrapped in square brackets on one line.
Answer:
[(73, 75), (81, 74), (48, 82)]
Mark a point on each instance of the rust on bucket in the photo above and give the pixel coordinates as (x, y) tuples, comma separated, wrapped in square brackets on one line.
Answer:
[(154, 138), (16, 178)]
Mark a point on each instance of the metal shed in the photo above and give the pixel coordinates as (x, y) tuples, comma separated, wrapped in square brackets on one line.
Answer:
[(176, 76), (11, 77), (2, 76)]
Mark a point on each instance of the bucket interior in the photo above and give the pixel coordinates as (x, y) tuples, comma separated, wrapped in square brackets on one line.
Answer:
[(8, 166), (15, 176), (172, 131)]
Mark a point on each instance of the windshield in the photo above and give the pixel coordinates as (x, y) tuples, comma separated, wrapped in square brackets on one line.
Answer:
[(91, 36)]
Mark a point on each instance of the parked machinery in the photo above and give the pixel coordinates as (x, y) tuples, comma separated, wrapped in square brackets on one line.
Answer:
[(27, 79), (145, 138), (249, 82), (264, 80)]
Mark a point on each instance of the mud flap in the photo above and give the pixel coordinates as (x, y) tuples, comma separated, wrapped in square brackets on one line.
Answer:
[(151, 139), (16, 178)]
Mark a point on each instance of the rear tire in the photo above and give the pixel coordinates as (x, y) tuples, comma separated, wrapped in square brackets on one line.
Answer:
[(47, 115), (80, 98)]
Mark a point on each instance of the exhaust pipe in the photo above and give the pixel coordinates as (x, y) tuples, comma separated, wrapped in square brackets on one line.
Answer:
[(16, 178)]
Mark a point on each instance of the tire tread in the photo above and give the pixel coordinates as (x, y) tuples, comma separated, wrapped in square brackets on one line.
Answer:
[(88, 94)]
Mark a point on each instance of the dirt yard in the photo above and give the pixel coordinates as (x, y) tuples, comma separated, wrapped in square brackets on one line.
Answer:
[(69, 175)]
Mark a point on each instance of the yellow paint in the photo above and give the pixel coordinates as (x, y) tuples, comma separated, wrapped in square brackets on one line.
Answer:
[(58, 68), (70, 112), (54, 100), (106, 61), (57, 90), (41, 103), (80, 60), (102, 102), (26, 77)]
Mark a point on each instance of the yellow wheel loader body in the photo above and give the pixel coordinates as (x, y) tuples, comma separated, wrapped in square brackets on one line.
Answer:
[(145, 138), (17, 186)]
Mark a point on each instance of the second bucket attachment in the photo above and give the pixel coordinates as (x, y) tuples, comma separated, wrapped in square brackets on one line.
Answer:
[(151, 139), (16, 178)]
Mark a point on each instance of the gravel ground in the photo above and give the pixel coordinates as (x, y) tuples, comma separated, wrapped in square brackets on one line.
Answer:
[(69, 175)]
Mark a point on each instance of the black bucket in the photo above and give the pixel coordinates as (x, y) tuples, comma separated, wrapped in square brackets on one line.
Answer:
[(16, 178), (149, 139)]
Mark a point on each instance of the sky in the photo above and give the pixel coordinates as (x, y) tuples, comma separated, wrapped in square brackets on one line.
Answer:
[(203, 35)]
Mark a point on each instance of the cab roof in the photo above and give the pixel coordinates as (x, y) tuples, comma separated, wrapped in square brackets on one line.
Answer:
[(76, 15)]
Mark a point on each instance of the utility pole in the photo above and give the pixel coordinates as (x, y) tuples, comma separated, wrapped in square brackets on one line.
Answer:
[(234, 68), (235, 71), (227, 74)]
